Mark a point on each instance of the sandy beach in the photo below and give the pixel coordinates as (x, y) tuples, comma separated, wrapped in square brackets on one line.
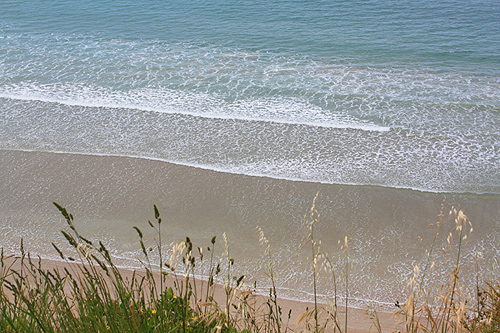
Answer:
[(388, 229)]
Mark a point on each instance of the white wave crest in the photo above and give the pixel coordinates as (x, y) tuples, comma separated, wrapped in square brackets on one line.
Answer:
[(278, 110)]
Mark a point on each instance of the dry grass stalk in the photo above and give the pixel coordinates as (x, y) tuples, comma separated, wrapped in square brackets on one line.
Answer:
[(442, 310)]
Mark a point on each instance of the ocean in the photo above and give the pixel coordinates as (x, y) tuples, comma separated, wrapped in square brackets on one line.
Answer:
[(244, 110)]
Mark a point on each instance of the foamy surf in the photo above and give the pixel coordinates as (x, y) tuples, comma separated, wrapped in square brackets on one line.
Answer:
[(278, 110), (397, 158)]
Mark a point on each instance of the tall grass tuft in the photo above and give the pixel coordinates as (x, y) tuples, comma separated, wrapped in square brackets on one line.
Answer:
[(325, 317), (91, 294), (273, 312), (488, 315), (443, 308)]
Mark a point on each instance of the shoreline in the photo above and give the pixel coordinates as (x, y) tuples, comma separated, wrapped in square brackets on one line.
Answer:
[(359, 321), (263, 176), (362, 304)]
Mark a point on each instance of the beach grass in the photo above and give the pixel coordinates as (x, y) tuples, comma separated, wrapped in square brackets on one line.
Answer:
[(91, 294)]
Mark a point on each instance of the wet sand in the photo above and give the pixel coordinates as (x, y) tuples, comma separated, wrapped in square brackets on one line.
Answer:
[(388, 229)]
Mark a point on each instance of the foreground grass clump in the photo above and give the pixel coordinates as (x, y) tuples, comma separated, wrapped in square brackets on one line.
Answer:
[(93, 295), (448, 307)]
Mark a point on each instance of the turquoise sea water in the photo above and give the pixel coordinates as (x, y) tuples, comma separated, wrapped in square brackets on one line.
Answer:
[(394, 93)]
